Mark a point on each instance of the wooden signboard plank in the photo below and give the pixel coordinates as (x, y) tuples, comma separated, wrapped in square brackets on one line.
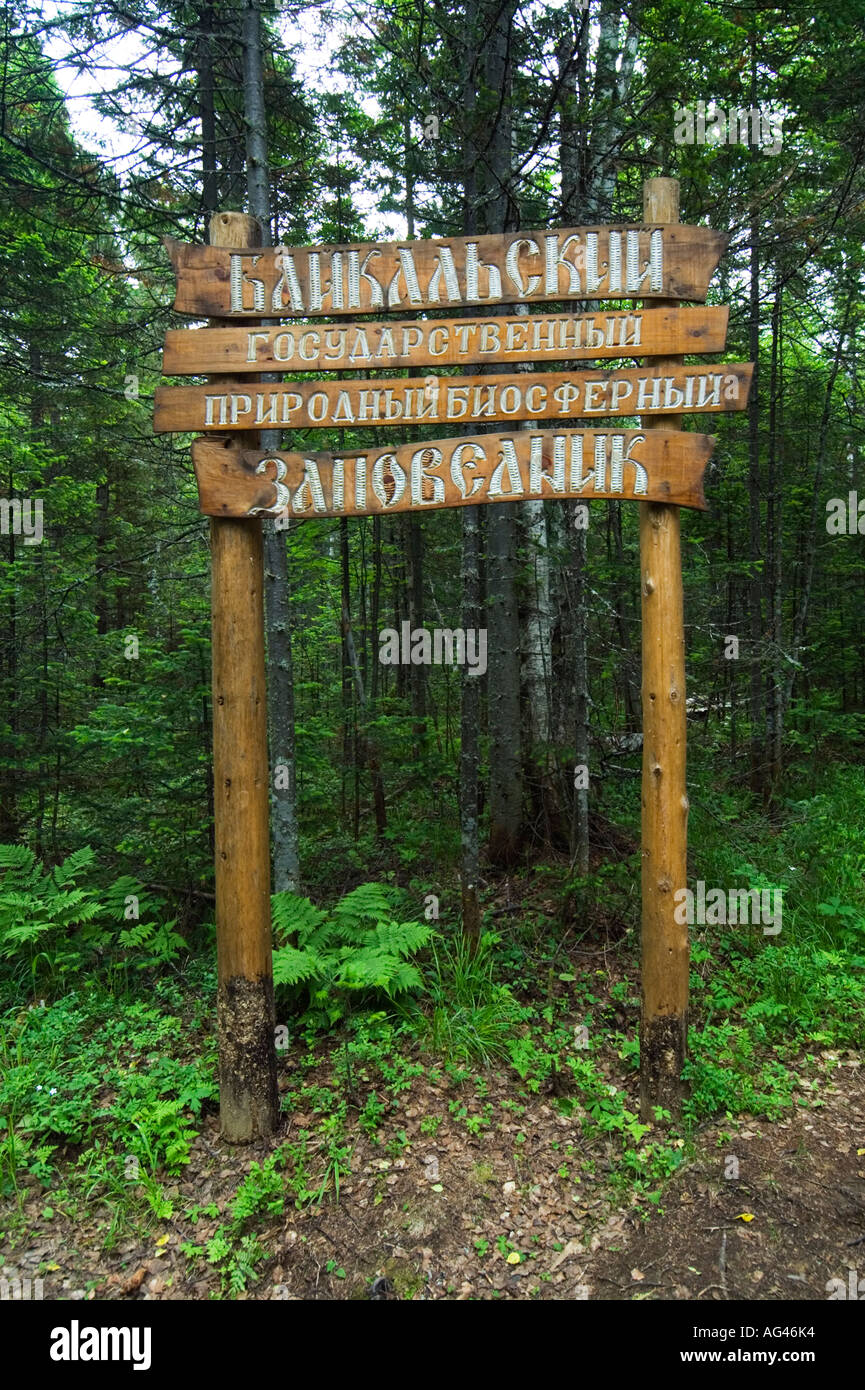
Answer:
[(567, 463), (614, 262), (450, 400), (443, 342)]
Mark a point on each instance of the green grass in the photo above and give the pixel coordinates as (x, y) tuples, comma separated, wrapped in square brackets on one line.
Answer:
[(471, 1017)]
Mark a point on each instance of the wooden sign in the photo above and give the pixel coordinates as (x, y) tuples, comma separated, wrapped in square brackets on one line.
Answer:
[(619, 262), (443, 342), (657, 466), (450, 400)]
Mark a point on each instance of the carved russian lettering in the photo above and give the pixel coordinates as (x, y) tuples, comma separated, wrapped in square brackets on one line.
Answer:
[(656, 465), (579, 262)]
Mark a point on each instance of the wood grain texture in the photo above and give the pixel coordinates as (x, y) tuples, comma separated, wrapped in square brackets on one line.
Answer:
[(460, 400), (569, 463), (240, 749), (614, 262), (665, 947), (407, 343), (248, 1101)]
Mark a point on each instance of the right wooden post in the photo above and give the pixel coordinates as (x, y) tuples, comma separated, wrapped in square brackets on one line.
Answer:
[(665, 949)]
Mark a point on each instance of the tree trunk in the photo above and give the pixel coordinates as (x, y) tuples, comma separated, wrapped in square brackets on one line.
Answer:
[(413, 535), (280, 676), (469, 740), (756, 707), (498, 213), (364, 742), (349, 721), (774, 538), (375, 606), (469, 792), (9, 819), (579, 838), (506, 771), (800, 622), (538, 620)]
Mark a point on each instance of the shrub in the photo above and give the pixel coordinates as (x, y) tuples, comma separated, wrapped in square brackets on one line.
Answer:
[(51, 927)]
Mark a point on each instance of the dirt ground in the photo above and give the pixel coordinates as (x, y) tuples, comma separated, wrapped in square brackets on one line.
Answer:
[(440, 1220)]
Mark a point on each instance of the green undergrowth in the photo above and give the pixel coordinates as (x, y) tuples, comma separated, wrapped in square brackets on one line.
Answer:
[(99, 1096), (767, 1008), (107, 1052)]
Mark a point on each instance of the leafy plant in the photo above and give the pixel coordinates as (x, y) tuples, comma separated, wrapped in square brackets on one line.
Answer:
[(52, 927), (40, 908), (357, 948), (92, 1072), (473, 1018)]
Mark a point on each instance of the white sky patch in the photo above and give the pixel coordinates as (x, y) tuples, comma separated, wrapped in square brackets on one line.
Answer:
[(307, 35), (106, 67)]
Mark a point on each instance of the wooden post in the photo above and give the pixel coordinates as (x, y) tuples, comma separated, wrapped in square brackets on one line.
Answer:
[(665, 950), (248, 1100)]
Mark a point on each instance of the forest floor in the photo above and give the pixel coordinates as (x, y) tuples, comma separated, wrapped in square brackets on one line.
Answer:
[(481, 1139), (499, 1214)]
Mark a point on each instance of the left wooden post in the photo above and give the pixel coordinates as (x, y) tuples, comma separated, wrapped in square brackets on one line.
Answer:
[(248, 1100)]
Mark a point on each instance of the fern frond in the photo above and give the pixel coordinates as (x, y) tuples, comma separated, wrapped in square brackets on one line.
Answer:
[(404, 977), (21, 932), (294, 915), (367, 970), (136, 935), (357, 946), (167, 942), (401, 938), (72, 865), (15, 900), (352, 915), (16, 857), (115, 895), (67, 905), (292, 967)]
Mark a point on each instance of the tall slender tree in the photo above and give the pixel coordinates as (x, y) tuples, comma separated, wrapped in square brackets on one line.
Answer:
[(280, 705)]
